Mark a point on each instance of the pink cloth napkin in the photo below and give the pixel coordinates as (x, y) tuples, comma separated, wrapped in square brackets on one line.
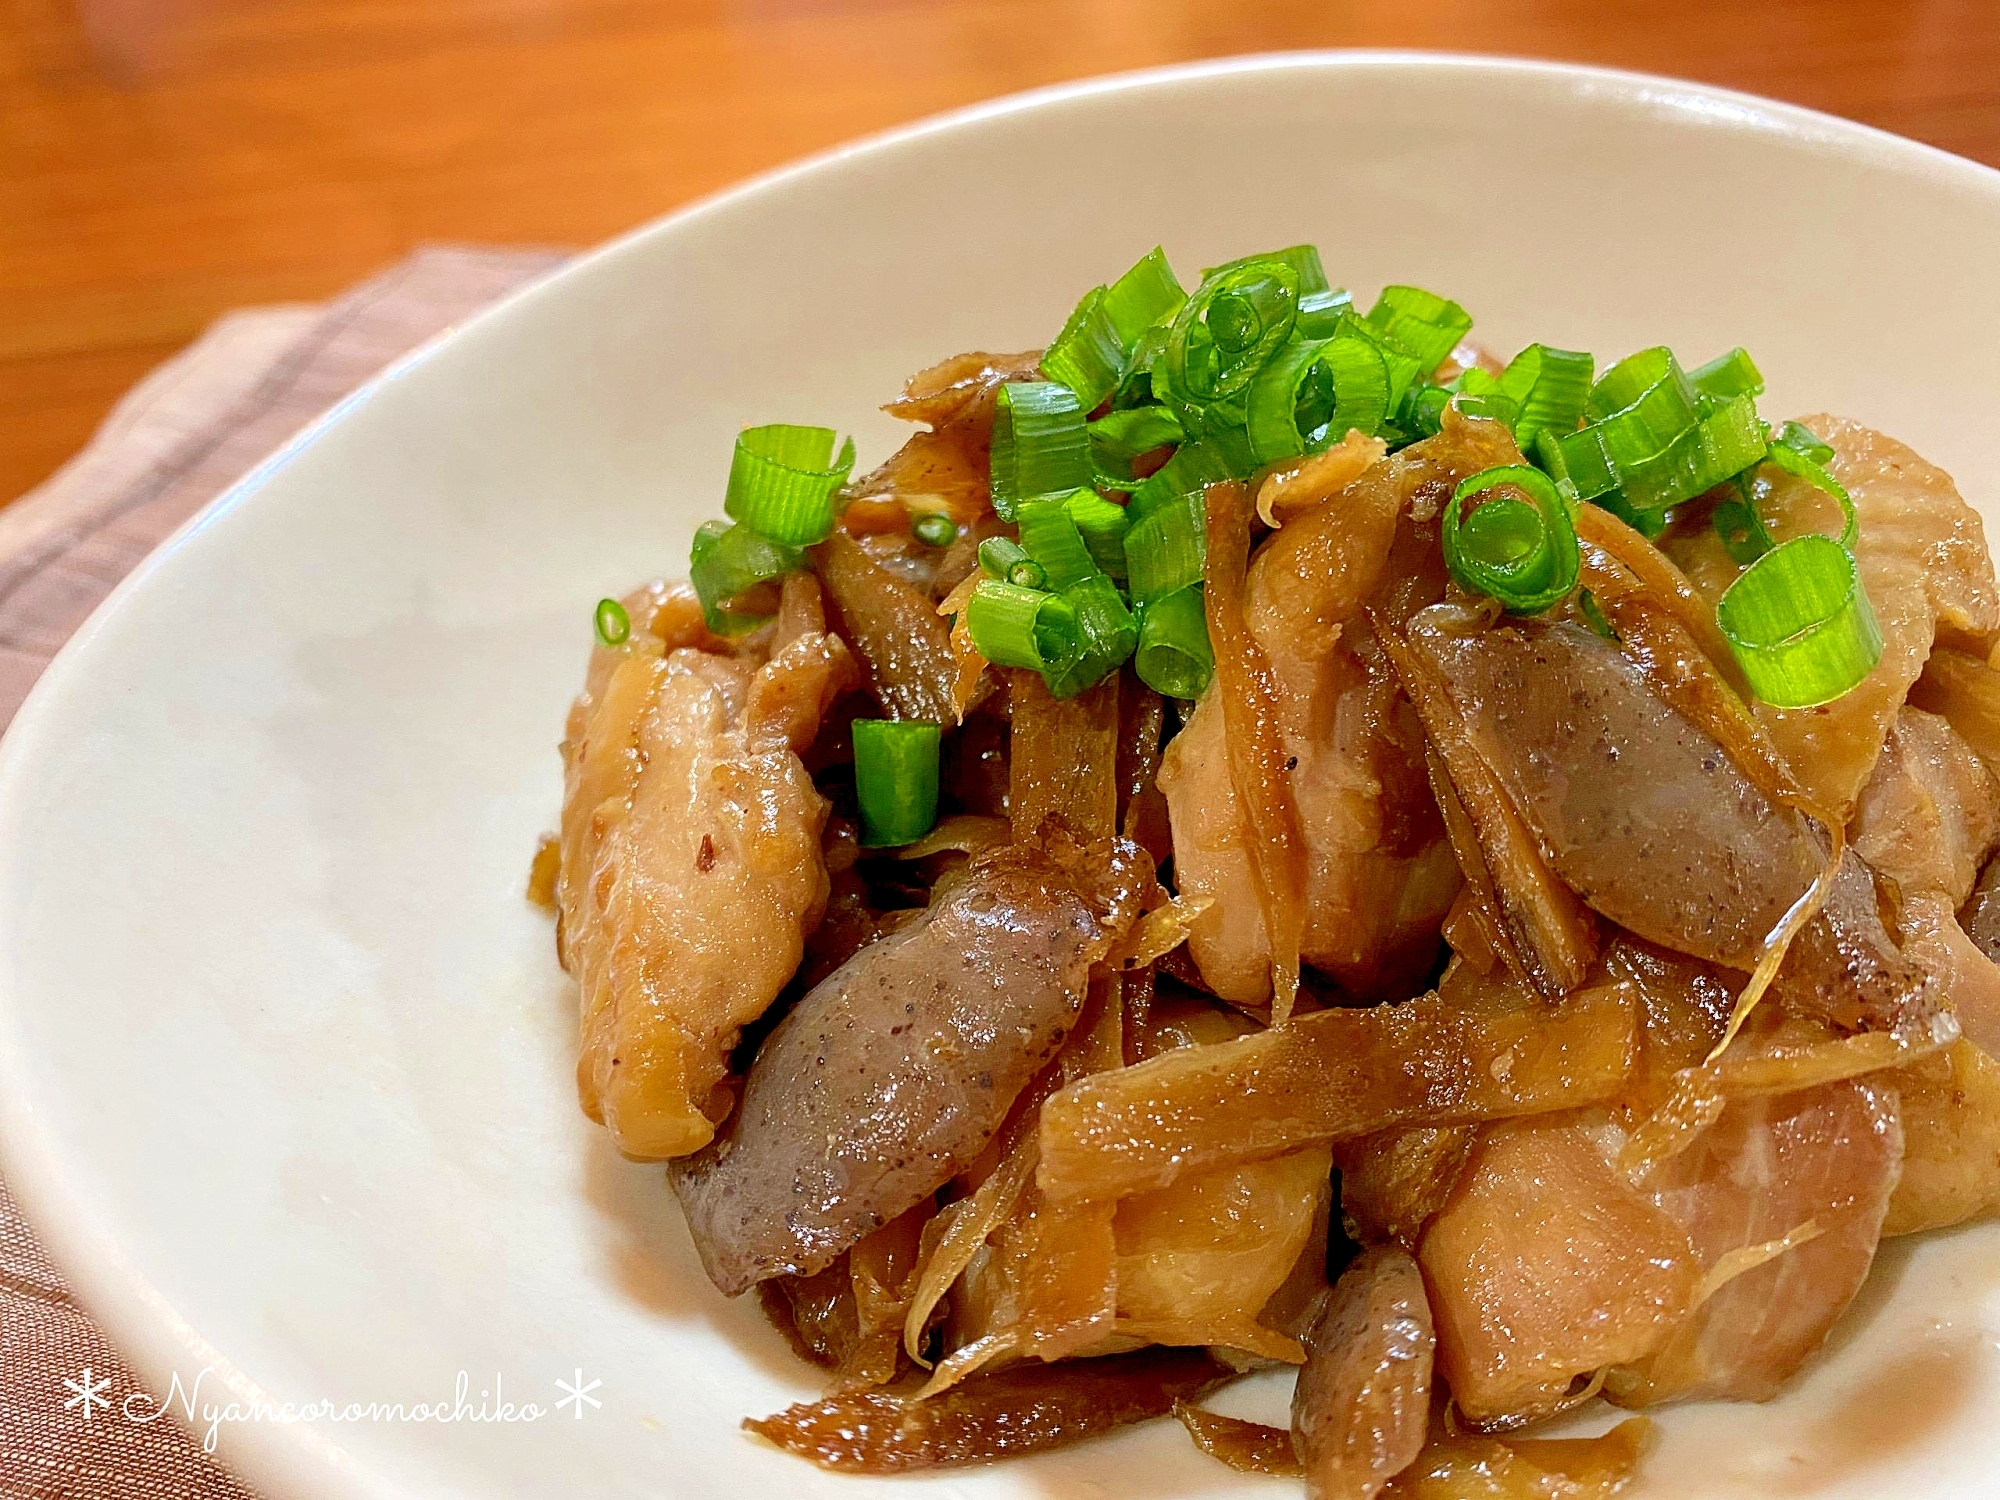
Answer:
[(179, 439)]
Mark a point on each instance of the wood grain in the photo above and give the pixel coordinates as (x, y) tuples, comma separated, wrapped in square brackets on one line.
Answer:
[(164, 160)]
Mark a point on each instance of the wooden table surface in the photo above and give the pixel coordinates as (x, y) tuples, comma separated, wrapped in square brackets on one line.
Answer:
[(162, 161)]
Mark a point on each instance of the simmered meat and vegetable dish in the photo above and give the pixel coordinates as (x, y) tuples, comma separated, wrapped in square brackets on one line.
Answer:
[(1265, 836)]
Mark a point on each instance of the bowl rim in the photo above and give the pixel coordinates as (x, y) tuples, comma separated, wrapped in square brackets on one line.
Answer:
[(294, 1459)]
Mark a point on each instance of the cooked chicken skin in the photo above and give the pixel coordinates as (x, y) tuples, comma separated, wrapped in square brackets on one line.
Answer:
[(691, 867)]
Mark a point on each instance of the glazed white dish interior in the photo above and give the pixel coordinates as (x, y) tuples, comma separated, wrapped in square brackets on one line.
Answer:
[(285, 1056)]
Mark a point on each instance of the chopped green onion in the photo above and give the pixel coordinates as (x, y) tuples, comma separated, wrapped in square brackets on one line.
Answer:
[(1147, 294), (1728, 440), (1422, 323), (1301, 260), (1794, 462), (727, 561), (1728, 376), (1135, 387), (1224, 428), (1800, 624), (1803, 440), (1404, 369), (999, 556), (935, 529), (1576, 460), (1593, 615), (782, 482), (1521, 552), (1088, 355), (1741, 530), (1228, 331), (1103, 526), (895, 780), (1013, 626), (1040, 446), (1119, 437), (1049, 535), (1650, 524), (1423, 410), (1105, 636), (1491, 405), (1290, 403), (1314, 394), (1166, 548), (1174, 656), (1194, 467), (1637, 376), (1320, 312), (613, 624), (1654, 439), (1550, 387)]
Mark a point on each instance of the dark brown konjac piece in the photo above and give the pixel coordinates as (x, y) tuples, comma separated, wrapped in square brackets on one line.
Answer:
[(1362, 1406), (1641, 813), (1027, 1408), (896, 1071), (1654, 826)]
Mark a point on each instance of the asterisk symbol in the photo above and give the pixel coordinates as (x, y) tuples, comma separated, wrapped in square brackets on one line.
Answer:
[(577, 1394), (87, 1393)]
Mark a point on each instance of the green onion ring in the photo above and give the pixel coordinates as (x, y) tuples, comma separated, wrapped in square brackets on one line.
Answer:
[(1105, 636), (1144, 296), (1520, 552), (1174, 656), (1051, 537), (1119, 437), (782, 481), (1013, 626), (1728, 376), (895, 780), (1422, 323), (1229, 330), (1788, 458), (1040, 445), (1800, 623), (612, 623), (1088, 355), (727, 560), (1165, 549), (1550, 385), (1103, 526)]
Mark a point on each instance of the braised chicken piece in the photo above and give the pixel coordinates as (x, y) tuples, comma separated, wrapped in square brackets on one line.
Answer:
[(1929, 814), (691, 868), (1782, 1199), (1379, 871), (1950, 1108), (1546, 1266)]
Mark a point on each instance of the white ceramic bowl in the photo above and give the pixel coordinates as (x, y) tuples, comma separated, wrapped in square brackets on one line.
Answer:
[(285, 1058)]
